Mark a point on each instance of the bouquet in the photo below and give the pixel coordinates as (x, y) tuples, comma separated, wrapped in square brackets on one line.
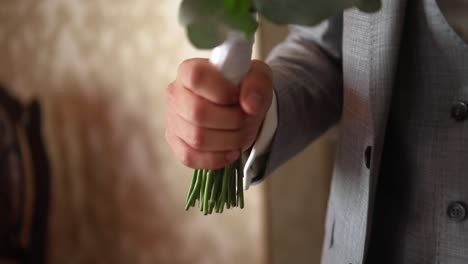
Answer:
[(229, 27)]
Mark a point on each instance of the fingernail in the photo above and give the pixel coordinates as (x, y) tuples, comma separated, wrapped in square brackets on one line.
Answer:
[(232, 156), (255, 100)]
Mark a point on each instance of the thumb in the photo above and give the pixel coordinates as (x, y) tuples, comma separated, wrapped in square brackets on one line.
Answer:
[(257, 89)]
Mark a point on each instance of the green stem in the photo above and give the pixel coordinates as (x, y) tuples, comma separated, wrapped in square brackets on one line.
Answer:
[(195, 194), (202, 190), (192, 186), (229, 187), (240, 182), (223, 196), (216, 190), (232, 181), (208, 190)]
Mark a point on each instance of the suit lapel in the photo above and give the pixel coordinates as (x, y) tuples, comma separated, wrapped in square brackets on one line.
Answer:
[(386, 33), (371, 48), (384, 48), (371, 44)]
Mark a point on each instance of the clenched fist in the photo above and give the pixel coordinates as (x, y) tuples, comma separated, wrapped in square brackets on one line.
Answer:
[(209, 119)]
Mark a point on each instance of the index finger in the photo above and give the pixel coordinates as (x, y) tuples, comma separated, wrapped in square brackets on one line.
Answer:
[(204, 79)]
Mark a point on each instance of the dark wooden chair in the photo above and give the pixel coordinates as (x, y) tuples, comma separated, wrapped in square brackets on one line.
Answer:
[(24, 182)]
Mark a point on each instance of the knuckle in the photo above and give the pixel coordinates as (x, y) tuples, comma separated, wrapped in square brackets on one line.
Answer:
[(185, 64), (186, 158), (171, 87), (170, 92), (182, 68), (197, 138), (198, 112), (196, 75)]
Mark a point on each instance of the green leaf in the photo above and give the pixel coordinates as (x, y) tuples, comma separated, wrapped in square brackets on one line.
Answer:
[(204, 36), (244, 22), (208, 22), (369, 6), (309, 12), (236, 7), (238, 17)]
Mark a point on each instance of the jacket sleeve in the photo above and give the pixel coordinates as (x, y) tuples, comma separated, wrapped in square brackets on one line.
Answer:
[(308, 84)]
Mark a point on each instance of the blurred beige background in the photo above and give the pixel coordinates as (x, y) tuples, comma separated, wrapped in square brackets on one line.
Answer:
[(297, 193), (100, 69)]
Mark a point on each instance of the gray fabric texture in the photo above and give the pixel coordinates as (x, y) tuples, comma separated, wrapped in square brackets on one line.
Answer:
[(328, 72), (345, 70), (426, 151)]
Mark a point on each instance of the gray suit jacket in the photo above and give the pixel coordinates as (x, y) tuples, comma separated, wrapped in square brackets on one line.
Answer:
[(342, 70)]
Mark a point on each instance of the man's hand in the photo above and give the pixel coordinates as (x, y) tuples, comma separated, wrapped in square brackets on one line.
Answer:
[(209, 119)]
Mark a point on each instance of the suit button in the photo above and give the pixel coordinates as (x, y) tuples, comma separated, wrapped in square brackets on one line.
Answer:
[(456, 211), (368, 156), (459, 111)]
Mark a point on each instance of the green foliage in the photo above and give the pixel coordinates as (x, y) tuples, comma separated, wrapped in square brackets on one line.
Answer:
[(369, 6), (209, 21), (203, 36), (234, 7), (309, 12)]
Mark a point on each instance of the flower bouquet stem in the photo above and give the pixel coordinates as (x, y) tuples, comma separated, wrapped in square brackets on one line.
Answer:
[(224, 188), (230, 26)]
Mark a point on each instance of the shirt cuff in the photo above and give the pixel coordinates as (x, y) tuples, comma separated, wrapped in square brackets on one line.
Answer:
[(261, 145)]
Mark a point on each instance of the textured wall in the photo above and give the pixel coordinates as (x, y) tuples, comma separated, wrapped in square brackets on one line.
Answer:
[(100, 68), (298, 191)]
